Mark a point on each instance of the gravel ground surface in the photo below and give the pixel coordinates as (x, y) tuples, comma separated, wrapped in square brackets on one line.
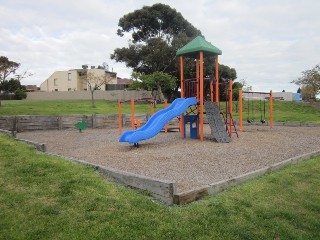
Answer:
[(190, 163)]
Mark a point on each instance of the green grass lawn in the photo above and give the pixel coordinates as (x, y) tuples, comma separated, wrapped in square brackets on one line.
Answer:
[(60, 107), (46, 197), (283, 111), (295, 112)]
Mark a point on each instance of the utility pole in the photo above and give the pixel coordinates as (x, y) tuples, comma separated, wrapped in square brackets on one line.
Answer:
[(19, 76)]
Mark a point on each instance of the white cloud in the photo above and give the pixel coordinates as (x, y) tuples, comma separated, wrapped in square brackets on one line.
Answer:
[(269, 43)]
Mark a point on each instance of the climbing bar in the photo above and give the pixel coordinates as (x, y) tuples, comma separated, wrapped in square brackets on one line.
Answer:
[(120, 116), (132, 114), (256, 92), (240, 110)]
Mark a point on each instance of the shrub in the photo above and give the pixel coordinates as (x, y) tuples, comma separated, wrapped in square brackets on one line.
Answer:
[(20, 94)]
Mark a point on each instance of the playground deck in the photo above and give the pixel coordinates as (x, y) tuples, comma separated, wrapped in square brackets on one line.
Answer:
[(190, 163)]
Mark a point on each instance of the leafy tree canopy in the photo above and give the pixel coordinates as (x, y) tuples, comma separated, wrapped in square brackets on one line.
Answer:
[(157, 21), (236, 87), (226, 73), (308, 93), (159, 83), (157, 33), (11, 86), (7, 67), (310, 82)]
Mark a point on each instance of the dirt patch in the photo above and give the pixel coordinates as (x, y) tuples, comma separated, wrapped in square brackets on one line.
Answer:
[(189, 162)]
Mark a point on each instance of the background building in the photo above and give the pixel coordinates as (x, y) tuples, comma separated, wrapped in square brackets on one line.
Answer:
[(282, 96), (74, 80)]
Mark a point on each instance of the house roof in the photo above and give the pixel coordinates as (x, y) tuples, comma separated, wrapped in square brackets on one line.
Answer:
[(124, 81), (198, 44), (31, 88)]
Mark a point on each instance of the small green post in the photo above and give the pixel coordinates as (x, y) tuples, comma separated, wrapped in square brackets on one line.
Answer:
[(81, 125)]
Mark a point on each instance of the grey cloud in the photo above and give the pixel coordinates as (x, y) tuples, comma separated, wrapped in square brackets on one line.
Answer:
[(269, 43)]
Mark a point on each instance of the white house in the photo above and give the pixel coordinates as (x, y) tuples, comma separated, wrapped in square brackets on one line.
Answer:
[(73, 80)]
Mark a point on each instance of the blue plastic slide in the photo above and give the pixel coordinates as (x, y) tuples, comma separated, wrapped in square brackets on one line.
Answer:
[(158, 121)]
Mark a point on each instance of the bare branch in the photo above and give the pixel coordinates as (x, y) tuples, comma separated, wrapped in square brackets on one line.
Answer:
[(95, 82)]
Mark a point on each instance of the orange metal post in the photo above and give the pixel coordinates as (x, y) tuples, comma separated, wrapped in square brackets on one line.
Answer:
[(217, 79), (271, 110), (181, 76), (120, 116), (230, 96), (182, 94), (201, 98), (211, 91), (197, 78), (240, 110), (132, 114), (165, 106), (197, 89), (152, 108), (230, 107)]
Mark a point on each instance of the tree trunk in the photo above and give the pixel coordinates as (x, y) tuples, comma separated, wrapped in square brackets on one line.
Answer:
[(160, 93), (92, 99)]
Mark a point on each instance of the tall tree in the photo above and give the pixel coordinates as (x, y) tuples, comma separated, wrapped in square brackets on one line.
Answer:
[(12, 85), (157, 32), (309, 82), (157, 21), (7, 67)]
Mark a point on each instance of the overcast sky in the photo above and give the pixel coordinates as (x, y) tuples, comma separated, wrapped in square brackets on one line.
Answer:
[(269, 42)]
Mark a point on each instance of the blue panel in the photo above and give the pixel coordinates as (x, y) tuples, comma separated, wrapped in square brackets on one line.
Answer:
[(158, 121), (297, 97), (193, 129)]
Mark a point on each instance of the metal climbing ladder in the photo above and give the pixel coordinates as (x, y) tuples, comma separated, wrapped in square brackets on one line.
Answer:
[(230, 124)]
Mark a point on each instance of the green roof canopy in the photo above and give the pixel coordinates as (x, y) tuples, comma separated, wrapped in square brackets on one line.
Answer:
[(198, 44)]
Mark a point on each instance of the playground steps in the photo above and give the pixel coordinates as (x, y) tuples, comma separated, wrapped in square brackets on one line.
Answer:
[(230, 127), (216, 123)]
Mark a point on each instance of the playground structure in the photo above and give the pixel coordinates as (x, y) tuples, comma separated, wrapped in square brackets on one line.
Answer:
[(157, 122), (194, 101), (135, 122), (251, 108), (192, 98), (221, 124)]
